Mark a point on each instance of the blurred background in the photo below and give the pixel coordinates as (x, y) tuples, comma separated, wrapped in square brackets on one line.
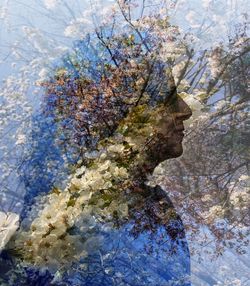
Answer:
[(209, 184)]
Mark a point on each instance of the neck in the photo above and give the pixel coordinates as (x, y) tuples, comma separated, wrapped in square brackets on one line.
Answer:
[(124, 153)]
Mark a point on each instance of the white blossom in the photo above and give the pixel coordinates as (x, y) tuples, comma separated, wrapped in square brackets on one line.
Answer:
[(8, 225), (21, 139), (51, 4), (77, 28), (43, 74)]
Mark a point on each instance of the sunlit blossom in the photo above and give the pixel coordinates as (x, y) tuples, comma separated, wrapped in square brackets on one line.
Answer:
[(9, 223)]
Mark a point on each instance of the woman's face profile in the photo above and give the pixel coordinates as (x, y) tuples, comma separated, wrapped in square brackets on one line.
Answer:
[(170, 130), (179, 112)]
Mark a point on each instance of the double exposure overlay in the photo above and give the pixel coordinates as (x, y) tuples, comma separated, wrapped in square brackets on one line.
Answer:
[(124, 143)]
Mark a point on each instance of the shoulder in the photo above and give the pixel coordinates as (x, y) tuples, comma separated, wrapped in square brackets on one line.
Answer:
[(151, 209)]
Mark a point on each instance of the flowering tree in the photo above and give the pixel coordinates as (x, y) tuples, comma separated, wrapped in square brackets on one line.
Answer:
[(206, 76), (208, 184)]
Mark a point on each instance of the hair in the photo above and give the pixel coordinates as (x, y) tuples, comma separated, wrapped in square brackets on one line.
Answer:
[(89, 91), (101, 80)]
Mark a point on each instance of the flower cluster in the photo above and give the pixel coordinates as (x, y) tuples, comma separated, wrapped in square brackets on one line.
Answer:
[(8, 226), (89, 198), (94, 195)]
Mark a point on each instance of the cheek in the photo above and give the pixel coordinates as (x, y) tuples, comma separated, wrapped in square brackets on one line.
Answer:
[(167, 141), (166, 126), (171, 149), (167, 147)]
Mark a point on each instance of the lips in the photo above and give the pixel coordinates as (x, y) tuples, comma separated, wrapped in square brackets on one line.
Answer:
[(180, 134), (179, 131), (180, 128)]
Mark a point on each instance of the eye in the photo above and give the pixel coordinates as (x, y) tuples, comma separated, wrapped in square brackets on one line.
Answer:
[(172, 103)]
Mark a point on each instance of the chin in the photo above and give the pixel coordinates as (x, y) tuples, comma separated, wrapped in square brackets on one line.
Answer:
[(169, 152), (177, 152), (166, 150)]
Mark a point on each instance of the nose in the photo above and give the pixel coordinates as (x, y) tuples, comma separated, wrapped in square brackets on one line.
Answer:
[(183, 111)]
